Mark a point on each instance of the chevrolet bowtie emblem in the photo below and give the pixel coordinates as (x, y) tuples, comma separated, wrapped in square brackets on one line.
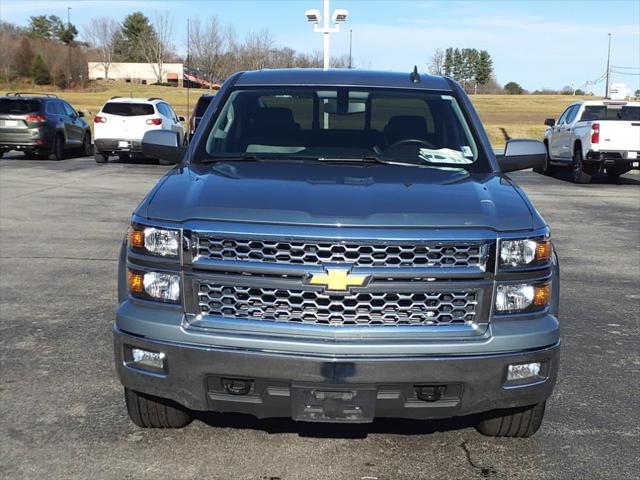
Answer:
[(338, 279)]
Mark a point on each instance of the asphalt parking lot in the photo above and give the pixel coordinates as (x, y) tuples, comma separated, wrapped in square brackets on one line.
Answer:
[(62, 412)]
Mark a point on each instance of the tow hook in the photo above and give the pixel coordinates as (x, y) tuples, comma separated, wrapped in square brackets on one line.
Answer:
[(430, 393)]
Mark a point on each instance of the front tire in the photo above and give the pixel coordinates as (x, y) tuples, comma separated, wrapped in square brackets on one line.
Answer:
[(147, 411), (100, 157), (547, 168), (513, 422), (578, 173), (86, 145)]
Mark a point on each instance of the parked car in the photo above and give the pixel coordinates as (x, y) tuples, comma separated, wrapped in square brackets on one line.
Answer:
[(198, 111), (338, 246), (123, 121), (593, 136), (42, 126)]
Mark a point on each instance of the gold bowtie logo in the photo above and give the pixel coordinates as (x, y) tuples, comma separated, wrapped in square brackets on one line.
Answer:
[(338, 279)]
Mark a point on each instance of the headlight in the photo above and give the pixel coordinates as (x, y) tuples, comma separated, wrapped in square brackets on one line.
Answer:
[(156, 241), (524, 252), (522, 297), (155, 285)]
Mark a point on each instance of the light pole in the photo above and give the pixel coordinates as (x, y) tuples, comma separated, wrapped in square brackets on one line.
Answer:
[(313, 16), (350, 45), (606, 88)]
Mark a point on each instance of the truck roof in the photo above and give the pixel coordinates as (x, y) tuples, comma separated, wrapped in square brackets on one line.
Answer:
[(342, 77), (609, 102)]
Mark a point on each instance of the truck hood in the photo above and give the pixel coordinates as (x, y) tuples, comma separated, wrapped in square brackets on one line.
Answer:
[(337, 195)]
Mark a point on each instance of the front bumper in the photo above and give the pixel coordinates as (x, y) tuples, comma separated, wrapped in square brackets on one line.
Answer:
[(195, 377)]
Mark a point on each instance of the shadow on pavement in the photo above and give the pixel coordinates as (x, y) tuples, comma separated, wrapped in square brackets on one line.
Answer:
[(335, 430)]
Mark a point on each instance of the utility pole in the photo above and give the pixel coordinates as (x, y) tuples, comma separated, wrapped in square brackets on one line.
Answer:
[(69, 47), (350, 44), (606, 88)]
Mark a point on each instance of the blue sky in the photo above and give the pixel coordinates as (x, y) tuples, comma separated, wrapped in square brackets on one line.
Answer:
[(536, 43)]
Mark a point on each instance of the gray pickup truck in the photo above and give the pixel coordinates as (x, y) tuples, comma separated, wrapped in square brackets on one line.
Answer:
[(336, 246)]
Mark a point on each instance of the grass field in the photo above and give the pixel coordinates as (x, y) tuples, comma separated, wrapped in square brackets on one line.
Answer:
[(522, 116)]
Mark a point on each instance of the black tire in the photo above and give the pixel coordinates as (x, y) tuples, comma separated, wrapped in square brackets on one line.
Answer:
[(578, 169), (147, 411), (87, 148), (57, 148), (1, 154), (100, 157), (517, 423), (546, 168)]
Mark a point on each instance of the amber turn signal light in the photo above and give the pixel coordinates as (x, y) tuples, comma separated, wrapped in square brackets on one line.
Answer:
[(543, 251), (136, 238), (542, 294), (135, 281)]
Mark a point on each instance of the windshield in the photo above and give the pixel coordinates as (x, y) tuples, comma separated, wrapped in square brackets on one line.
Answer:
[(342, 123), (610, 112), (128, 109), (10, 105)]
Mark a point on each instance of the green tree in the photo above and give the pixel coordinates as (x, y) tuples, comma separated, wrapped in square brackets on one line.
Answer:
[(39, 27), (135, 27), (457, 65), (51, 27), (39, 71), (448, 62), (484, 68), (513, 88)]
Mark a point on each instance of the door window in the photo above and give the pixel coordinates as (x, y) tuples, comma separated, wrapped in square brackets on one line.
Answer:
[(564, 115), (68, 110), (572, 113)]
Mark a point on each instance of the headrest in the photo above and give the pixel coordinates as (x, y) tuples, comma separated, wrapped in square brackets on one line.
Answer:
[(405, 126), (273, 119)]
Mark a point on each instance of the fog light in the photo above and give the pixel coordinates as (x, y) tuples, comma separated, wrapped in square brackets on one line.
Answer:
[(523, 371), (147, 359)]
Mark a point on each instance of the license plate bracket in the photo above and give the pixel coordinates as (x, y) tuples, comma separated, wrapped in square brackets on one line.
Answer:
[(123, 144), (333, 404)]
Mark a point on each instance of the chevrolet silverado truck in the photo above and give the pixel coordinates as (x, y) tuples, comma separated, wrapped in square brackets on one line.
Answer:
[(594, 136), (337, 246)]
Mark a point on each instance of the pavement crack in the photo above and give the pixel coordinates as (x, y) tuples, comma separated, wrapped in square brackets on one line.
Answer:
[(485, 472)]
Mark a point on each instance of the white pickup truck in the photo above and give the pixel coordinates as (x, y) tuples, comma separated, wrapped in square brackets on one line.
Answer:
[(593, 136)]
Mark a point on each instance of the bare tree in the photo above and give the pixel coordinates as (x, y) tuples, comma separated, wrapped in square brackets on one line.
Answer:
[(6, 54), (102, 34), (436, 62), (211, 44), (257, 50), (155, 45)]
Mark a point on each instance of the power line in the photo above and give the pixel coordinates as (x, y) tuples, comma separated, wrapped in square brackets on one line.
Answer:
[(624, 73), (625, 68)]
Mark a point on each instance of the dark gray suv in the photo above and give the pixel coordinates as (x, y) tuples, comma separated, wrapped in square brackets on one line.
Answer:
[(42, 126)]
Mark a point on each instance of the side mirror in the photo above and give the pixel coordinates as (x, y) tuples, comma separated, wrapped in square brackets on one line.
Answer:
[(80, 114), (522, 154), (163, 145), (181, 119), (550, 122)]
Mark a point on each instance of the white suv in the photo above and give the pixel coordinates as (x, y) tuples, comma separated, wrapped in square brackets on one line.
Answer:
[(123, 121)]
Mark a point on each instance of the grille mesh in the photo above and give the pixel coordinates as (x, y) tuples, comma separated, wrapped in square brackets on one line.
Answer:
[(315, 307), (358, 254)]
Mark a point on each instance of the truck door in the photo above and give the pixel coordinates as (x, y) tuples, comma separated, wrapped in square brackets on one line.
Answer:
[(554, 139), (563, 135)]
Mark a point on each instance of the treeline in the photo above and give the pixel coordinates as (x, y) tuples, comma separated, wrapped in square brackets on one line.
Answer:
[(49, 50), (46, 51)]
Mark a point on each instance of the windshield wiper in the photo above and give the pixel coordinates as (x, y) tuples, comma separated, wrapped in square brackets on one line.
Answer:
[(252, 157)]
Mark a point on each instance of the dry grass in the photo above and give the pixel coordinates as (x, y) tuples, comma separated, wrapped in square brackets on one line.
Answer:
[(522, 116)]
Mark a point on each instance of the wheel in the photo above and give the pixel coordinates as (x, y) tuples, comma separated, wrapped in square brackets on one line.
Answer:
[(57, 148), (546, 168), (578, 173), (1, 154), (86, 145), (514, 422), (147, 411), (100, 157)]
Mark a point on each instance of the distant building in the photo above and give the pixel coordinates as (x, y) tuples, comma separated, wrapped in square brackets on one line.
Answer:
[(143, 73)]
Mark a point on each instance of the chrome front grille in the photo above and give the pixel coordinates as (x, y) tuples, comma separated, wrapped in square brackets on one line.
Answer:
[(435, 254), (355, 308)]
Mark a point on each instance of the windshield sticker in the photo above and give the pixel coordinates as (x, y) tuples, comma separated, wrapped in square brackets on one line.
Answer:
[(443, 155), (466, 151)]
